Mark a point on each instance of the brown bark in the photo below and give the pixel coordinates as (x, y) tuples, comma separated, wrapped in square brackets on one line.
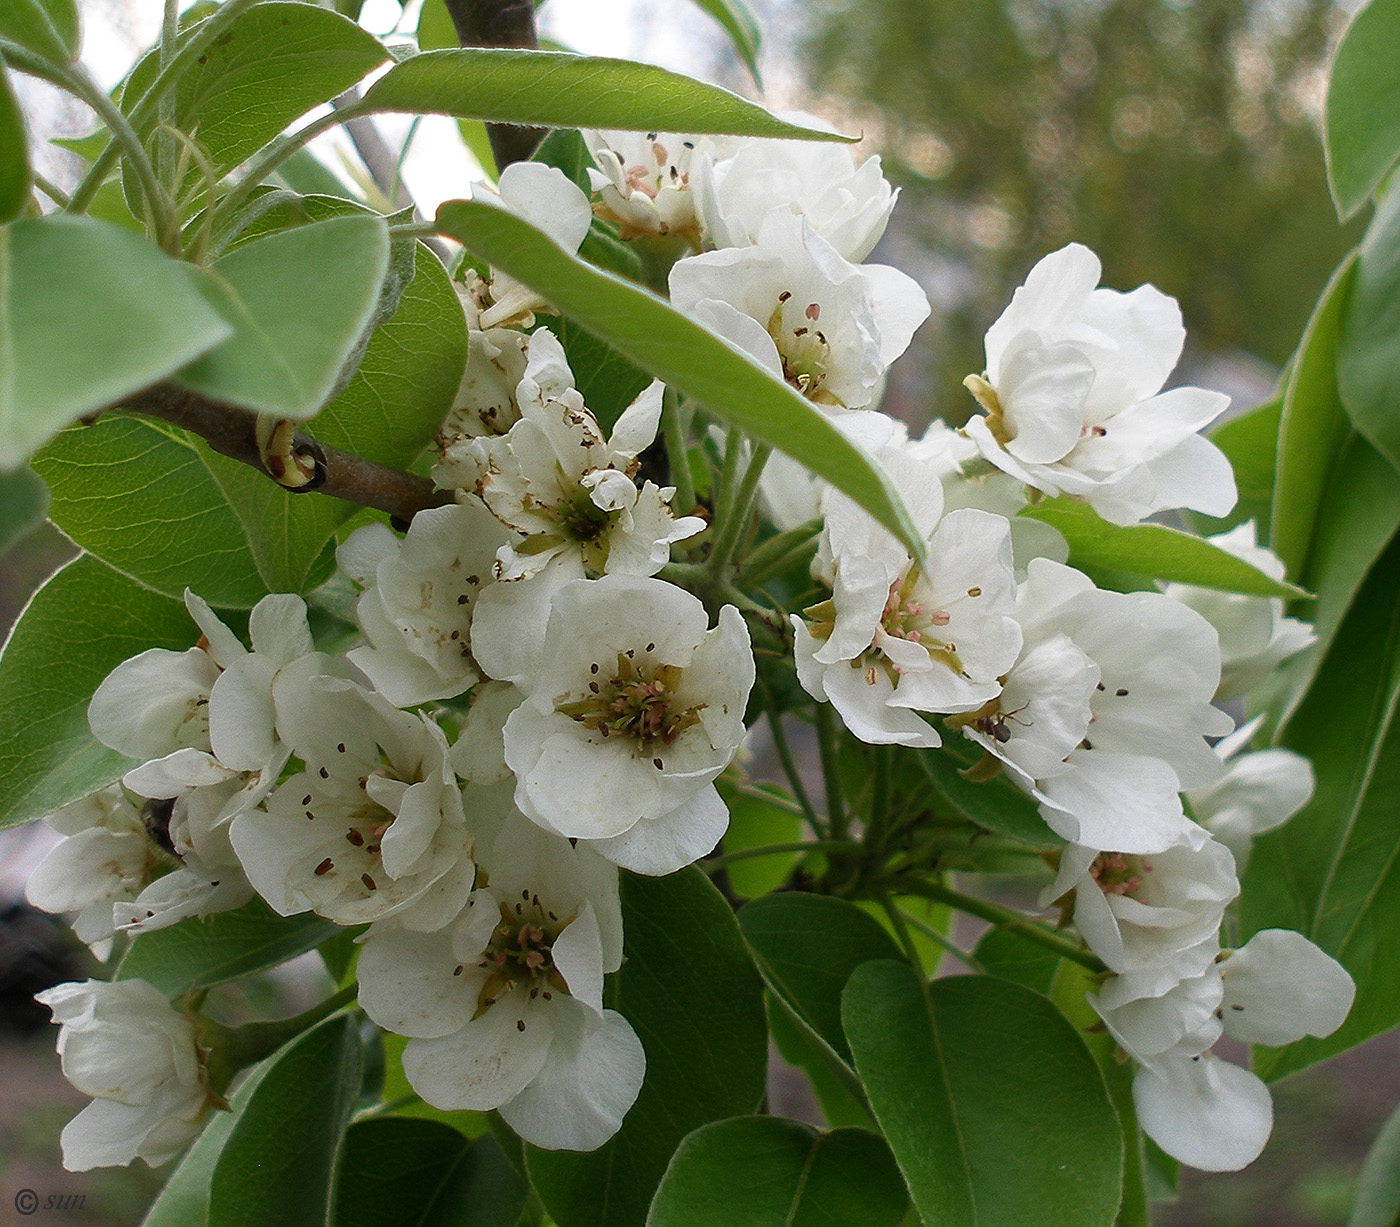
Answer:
[(231, 431), (500, 23)]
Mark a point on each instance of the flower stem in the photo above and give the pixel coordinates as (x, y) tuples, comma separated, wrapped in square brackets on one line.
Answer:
[(736, 514), (789, 764), (1003, 918), (831, 776), (710, 864), (677, 454), (897, 919), (967, 958)]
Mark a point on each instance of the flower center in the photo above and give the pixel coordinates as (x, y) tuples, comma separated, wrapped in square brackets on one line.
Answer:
[(803, 348), (639, 700), (520, 954), (1119, 874)]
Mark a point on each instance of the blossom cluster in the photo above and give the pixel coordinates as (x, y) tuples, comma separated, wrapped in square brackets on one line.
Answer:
[(531, 707)]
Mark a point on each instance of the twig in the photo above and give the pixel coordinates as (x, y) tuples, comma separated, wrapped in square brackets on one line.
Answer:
[(232, 432), (500, 23)]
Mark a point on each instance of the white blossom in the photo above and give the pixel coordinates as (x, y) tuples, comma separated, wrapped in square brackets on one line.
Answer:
[(1158, 916), (485, 401), (1203, 1111), (1260, 790), (829, 327), (550, 201), (1112, 780), (554, 478), (1255, 637), (122, 1044), (503, 1007), (208, 723), (847, 205), (1073, 400), (104, 858), (419, 592), (634, 706), (644, 180), (373, 826)]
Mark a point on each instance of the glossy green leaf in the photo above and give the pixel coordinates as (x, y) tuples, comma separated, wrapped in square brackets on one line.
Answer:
[(1333, 871), (996, 805), (1311, 429), (1377, 1201), (75, 630), (299, 301), (692, 995), (1009, 956), (136, 494), (184, 1201), (1362, 129), (948, 1066), (1367, 375), (659, 339), (63, 16), (15, 176), (32, 24), (208, 950), (24, 501), (834, 1085), (743, 29), (556, 89), (389, 411), (397, 1172), (277, 1168), (435, 28), (1153, 550), (806, 947), (272, 64), (1358, 514), (89, 313), (764, 1171)]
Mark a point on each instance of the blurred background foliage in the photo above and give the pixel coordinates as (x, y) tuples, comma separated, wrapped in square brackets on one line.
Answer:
[(1177, 138)]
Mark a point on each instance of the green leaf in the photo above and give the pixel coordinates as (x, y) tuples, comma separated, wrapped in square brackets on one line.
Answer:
[(1333, 872), (1367, 377), (950, 1066), (299, 300), (16, 180), (1153, 550), (1312, 427), (837, 1091), (756, 823), (389, 411), (63, 16), (136, 494), (806, 947), (764, 1171), (1009, 956), (1359, 513), (278, 1167), (743, 29), (208, 950), (556, 89), (435, 28), (75, 630), (1377, 1201), (270, 66), (1362, 126), (996, 805), (89, 313), (692, 995), (48, 27), (24, 501), (659, 339), (184, 1201), (397, 1172)]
